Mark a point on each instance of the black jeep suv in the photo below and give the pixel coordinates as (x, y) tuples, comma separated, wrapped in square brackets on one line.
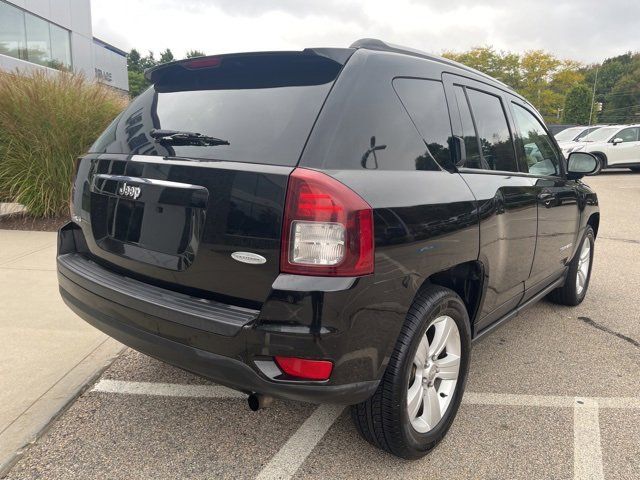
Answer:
[(328, 225)]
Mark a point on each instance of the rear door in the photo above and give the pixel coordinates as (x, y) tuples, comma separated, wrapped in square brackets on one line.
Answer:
[(506, 199), (185, 212)]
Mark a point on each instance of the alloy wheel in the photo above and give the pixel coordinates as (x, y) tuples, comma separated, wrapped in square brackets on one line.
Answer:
[(583, 266), (434, 374)]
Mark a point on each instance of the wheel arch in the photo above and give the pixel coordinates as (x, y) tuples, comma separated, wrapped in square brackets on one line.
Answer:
[(594, 222), (603, 157), (466, 279)]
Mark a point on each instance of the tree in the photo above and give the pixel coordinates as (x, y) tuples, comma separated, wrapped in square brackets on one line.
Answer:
[(133, 61), (622, 103), (567, 76), (148, 61), (195, 53), (501, 65), (511, 73), (611, 70), (538, 68), (546, 82), (539, 76), (137, 83), (166, 56), (577, 105), (136, 65)]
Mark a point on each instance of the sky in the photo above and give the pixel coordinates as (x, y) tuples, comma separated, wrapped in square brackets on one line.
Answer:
[(584, 30)]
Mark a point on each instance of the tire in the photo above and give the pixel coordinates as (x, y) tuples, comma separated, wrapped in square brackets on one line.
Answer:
[(384, 420), (571, 293), (603, 162), (635, 169)]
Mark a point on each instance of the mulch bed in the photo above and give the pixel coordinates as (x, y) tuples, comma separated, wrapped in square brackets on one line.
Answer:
[(21, 221)]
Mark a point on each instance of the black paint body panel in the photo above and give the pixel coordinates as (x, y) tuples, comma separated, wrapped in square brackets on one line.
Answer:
[(188, 223), (518, 230)]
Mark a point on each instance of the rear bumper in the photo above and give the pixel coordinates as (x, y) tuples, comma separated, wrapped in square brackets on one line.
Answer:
[(216, 341), (223, 370)]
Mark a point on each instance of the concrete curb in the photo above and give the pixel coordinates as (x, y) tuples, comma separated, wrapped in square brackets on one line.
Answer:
[(34, 422), (10, 209)]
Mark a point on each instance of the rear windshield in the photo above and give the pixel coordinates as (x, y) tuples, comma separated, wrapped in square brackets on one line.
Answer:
[(263, 105)]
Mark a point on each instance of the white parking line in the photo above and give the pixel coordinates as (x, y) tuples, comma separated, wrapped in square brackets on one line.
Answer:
[(284, 464), (507, 399), (587, 453), (294, 452), (165, 389), (514, 400), (471, 398), (618, 402)]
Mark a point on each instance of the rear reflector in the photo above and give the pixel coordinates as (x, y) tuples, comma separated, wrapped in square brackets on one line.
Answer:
[(328, 228), (305, 369)]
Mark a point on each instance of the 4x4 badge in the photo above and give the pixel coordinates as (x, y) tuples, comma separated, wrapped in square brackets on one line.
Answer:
[(129, 191)]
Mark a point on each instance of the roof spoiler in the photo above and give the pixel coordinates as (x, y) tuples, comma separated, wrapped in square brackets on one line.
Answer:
[(153, 74)]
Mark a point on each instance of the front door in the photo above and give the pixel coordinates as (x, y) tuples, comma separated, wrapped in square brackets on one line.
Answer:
[(558, 213), (627, 151)]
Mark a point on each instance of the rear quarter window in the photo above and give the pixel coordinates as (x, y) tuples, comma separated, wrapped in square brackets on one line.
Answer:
[(426, 104), (365, 126)]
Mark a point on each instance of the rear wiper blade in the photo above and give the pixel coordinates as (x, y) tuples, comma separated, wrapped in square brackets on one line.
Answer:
[(176, 137)]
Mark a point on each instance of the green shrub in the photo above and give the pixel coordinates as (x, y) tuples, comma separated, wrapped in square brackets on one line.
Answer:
[(46, 122)]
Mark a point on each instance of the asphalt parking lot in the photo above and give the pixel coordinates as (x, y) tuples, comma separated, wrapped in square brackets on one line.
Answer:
[(555, 393)]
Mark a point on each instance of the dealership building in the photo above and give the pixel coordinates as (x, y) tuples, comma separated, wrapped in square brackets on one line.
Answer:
[(58, 35)]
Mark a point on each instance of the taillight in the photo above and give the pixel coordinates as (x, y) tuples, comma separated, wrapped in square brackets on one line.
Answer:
[(203, 62), (328, 228), (305, 369)]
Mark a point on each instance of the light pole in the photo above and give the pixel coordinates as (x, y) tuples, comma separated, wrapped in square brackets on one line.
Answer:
[(593, 96)]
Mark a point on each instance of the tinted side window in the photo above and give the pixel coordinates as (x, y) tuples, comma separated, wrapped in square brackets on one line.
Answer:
[(364, 125), (493, 130), (473, 159), (540, 155), (427, 106), (628, 135)]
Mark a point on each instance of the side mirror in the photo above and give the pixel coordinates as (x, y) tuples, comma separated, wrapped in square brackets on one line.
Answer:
[(581, 164), (617, 140)]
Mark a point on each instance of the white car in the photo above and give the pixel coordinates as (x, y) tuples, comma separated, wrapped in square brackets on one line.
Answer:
[(570, 135), (615, 146)]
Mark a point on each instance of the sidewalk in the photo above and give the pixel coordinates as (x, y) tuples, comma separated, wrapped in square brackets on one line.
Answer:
[(48, 354)]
